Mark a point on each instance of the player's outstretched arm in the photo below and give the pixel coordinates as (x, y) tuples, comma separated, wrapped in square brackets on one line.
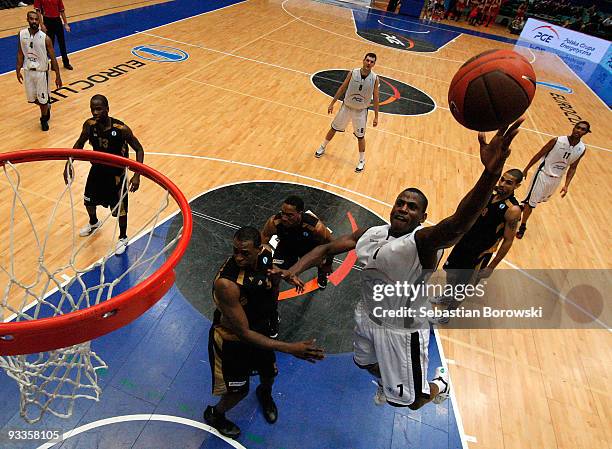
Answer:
[(449, 231), (227, 294), (539, 155), (512, 218), (313, 258)]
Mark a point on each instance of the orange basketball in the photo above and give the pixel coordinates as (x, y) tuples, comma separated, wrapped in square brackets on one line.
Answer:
[(491, 90)]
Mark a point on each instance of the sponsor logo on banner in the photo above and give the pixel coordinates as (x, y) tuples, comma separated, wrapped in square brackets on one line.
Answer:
[(551, 37), (542, 33)]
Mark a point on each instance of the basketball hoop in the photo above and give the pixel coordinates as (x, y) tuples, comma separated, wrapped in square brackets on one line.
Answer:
[(46, 345)]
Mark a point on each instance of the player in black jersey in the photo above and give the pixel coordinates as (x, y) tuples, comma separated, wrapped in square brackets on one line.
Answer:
[(298, 233), (107, 186), (238, 344), (470, 259)]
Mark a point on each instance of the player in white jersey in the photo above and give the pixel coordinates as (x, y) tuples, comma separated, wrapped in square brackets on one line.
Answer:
[(359, 88), (388, 342), (560, 155), (33, 52)]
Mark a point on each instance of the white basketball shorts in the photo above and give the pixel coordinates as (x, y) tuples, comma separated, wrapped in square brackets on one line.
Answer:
[(359, 117), (402, 357), (541, 188), (36, 86)]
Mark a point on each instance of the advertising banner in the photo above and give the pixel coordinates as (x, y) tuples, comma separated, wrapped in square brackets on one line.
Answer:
[(545, 36)]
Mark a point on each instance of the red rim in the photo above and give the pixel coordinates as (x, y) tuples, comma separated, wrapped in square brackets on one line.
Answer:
[(45, 334)]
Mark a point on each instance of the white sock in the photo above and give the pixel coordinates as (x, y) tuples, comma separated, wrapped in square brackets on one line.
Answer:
[(440, 384), (362, 156)]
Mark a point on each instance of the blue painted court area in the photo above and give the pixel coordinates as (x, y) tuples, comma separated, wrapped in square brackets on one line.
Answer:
[(90, 32), (159, 365), (396, 32)]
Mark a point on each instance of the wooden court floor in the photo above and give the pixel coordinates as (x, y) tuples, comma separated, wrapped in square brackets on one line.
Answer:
[(243, 107)]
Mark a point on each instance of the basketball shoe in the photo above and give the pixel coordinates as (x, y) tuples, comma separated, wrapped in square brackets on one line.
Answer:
[(379, 396), (89, 229), (441, 380)]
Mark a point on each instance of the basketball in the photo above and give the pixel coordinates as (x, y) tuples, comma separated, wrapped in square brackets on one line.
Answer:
[(491, 90)]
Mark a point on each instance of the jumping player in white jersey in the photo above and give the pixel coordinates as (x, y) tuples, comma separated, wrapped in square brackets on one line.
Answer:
[(561, 154), (394, 348), (34, 50), (359, 88)]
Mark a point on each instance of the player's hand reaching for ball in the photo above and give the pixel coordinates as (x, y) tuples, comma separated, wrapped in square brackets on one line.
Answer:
[(306, 350), (494, 154), (135, 182)]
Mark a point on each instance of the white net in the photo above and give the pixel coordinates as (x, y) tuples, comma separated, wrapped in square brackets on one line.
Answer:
[(47, 270)]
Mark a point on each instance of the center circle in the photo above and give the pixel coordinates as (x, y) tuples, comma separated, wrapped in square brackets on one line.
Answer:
[(396, 97)]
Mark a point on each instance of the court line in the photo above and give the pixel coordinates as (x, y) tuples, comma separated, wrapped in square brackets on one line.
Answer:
[(253, 60), (284, 172), (310, 75), (230, 53), (142, 417), (419, 22), (401, 29), (306, 73), (361, 40), (453, 397), (353, 60), (532, 54), (450, 42), (377, 129), (418, 53), (512, 361)]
